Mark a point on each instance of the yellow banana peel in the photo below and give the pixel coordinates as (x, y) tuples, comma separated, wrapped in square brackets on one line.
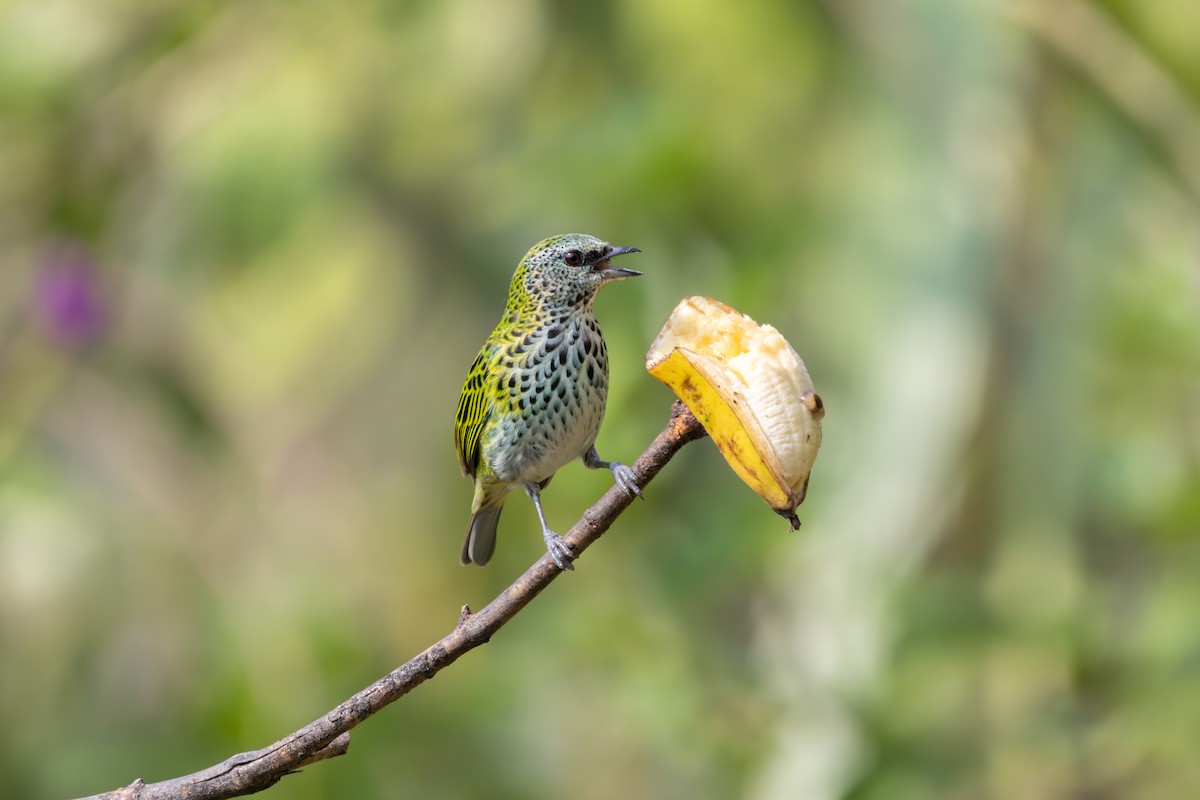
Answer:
[(750, 391)]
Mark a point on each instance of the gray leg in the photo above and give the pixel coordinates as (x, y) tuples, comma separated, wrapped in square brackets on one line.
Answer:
[(623, 474), (559, 550)]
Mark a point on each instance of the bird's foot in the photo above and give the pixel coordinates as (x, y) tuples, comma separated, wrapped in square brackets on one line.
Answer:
[(625, 478), (559, 550), (623, 474)]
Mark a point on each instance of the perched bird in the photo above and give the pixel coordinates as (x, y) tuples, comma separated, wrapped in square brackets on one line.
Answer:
[(534, 397)]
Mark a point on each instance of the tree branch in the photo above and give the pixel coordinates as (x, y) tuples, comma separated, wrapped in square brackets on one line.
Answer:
[(247, 773)]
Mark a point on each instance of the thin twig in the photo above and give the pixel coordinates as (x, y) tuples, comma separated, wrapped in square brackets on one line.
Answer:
[(329, 736)]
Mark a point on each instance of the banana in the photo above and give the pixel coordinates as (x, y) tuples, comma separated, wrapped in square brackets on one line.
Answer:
[(750, 391)]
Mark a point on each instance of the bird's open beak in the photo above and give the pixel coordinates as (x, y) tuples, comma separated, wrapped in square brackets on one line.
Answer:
[(612, 273)]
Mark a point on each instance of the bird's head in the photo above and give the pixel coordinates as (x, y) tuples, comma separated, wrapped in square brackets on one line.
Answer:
[(567, 270)]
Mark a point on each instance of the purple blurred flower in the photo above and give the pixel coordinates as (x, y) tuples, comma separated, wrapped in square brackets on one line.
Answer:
[(69, 301)]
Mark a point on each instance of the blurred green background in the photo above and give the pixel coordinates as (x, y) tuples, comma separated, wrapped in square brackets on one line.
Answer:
[(248, 250)]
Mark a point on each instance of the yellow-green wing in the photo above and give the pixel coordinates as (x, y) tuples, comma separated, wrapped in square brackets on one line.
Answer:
[(473, 408)]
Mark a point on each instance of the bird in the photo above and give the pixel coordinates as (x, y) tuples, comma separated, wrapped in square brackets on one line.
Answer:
[(534, 397)]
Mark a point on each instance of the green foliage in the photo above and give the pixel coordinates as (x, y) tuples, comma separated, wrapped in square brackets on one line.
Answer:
[(228, 499)]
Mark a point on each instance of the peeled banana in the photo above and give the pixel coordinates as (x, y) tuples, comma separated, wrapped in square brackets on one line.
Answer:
[(750, 391)]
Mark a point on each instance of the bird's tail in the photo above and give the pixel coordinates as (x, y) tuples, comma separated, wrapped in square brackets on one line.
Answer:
[(481, 535)]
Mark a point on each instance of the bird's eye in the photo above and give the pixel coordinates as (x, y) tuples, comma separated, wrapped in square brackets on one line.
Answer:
[(573, 258)]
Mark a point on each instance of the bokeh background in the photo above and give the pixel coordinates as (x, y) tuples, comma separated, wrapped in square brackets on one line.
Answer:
[(248, 250)]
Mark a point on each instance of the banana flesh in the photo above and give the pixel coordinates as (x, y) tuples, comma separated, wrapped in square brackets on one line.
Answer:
[(750, 391)]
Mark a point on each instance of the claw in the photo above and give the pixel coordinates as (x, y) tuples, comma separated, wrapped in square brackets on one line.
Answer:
[(559, 550), (622, 474), (626, 479)]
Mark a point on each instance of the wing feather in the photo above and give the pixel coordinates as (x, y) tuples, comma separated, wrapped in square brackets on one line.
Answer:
[(473, 410)]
